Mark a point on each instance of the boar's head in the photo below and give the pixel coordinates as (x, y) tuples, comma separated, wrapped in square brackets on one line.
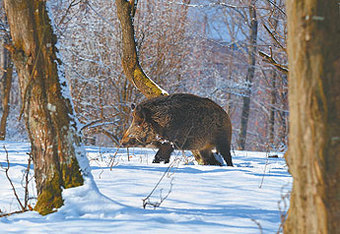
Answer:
[(140, 131)]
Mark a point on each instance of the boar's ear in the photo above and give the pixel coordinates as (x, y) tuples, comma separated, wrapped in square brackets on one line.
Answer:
[(140, 115)]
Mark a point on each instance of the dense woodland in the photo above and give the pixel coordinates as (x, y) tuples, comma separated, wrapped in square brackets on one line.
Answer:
[(208, 48), (83, 60)]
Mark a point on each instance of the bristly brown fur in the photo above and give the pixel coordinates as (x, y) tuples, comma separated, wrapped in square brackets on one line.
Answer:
[(186, 121)]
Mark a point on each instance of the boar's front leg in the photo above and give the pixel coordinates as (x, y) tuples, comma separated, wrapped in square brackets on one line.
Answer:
[(163, 154)]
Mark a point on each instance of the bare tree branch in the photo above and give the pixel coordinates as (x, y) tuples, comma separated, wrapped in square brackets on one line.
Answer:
[(274, 38), (95, 122), (276, 6), (269, 59)]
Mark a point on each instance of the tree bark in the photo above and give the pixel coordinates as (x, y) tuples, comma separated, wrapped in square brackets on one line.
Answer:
[(273, 91), (6, 84), (48, 113), (250, 75), (133, 70), (130, 62), (314, 101)]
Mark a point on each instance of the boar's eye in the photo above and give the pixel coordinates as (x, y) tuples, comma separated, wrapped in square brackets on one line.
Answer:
[(139, 121), (133, 106)]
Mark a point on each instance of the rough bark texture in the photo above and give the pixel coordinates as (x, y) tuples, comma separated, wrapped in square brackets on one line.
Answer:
[(48, 114), (250, 75), (132, 68), (314, 99), (6, 83)]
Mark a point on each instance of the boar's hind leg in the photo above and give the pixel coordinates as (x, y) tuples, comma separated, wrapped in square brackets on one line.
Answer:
[(163, 153), (208, 158), (224, 150)]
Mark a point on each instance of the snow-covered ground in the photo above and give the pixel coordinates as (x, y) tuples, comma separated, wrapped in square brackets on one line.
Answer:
[(246, 198)]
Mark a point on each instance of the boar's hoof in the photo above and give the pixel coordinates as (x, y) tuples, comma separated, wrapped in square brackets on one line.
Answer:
[(163, 154), (158, 160)]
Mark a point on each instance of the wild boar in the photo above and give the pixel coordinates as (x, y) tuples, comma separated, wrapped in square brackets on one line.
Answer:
[(180, 121)]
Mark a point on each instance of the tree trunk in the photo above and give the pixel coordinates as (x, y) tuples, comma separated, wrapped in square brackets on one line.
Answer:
[(314, 101), (273, 91), (6, 83), (48, 113), (250, 75), (132, 68)]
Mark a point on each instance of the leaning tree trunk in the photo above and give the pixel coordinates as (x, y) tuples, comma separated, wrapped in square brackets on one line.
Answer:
[(314, 101), (5, 83), (132, 68), (130, 62), (250, 75), (48, 113)]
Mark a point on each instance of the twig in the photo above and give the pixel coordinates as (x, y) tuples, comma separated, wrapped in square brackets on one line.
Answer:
[(133, 4), (277, 7), (26, 206), (146, 201), (265, 167), (26, 178), (98, 121), (269, 59), (10, 181), (14, 212), (274, 38), (72, 4), (128, 155), (258, 224), (162, 199), (109, 135), (113, 158), (283, 211), (100, 16)]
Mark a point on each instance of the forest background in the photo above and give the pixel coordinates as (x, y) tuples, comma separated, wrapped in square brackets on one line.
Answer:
[(222, 51)]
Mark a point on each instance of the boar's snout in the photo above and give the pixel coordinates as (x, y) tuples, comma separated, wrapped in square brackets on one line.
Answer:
[(127, 140)]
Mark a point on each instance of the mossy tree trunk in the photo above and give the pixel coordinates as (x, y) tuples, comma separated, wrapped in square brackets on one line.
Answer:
[(47, 112), (314, 103), (6, 84), (132, 68)]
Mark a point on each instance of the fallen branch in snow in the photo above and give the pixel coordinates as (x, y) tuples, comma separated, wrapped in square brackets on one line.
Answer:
[(24, 207), (14, 212), (147, 201)]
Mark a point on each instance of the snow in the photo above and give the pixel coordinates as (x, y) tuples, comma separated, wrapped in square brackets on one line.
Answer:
[(202, 199)]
